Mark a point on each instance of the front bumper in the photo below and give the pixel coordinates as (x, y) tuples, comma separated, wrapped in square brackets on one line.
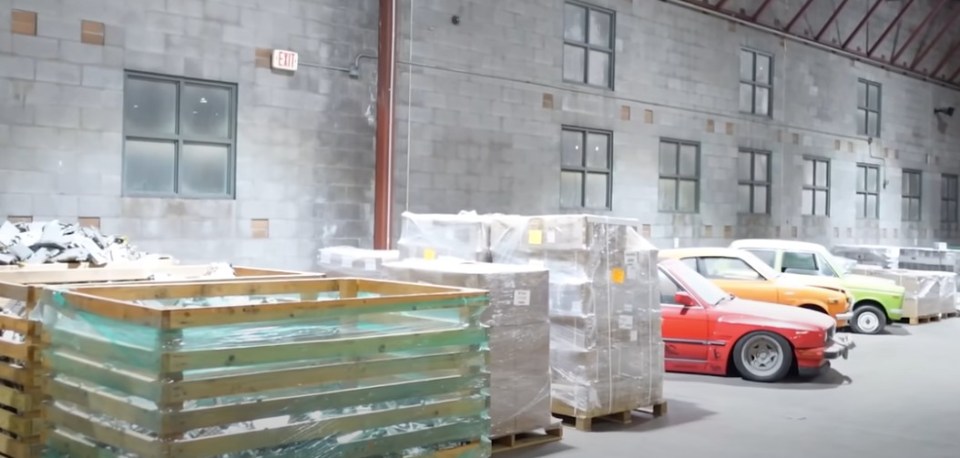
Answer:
[(846, 316), (895, 314), (839, 348)]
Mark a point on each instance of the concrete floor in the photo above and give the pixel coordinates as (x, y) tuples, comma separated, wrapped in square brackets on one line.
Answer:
[(897, 396)]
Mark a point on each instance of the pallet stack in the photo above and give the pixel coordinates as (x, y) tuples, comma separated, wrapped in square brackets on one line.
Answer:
[(345, 261), (465, 236), (284, 367), (929, 294)]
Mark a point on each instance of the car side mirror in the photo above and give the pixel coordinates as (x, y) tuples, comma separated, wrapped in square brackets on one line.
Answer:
[(684, 298)]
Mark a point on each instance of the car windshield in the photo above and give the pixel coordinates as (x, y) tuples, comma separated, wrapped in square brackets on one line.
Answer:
[(699, 285), (762, 267)]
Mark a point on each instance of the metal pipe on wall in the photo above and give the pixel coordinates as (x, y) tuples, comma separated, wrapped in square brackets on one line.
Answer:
[(386, 78)]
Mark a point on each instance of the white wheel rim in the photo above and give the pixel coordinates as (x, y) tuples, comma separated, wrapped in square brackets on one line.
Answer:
[(762, 355), (868, 322)]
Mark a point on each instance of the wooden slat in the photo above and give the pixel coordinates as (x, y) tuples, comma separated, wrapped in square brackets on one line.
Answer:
[(20, 448), (128, 440), (13, 291), (16, 324), (133, 273), (125, 380), (101, 348), (100, 401), (20, 400), (21, 351), (23, 426), (464, 431), (17, 374), (73, 445)]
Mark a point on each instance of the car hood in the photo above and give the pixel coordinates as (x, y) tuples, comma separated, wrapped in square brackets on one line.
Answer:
[(854, 281), (778, 315)]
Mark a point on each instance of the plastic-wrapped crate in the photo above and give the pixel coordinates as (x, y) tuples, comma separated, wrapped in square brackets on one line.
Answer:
[(284, 367), (606, 345), (930, 259), (465, 236), (345, 261), (519, 334), (887, 257), (924, 295)]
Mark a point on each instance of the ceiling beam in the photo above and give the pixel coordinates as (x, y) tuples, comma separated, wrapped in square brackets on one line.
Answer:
[(946, 58), (955, 75), (916, 32), (796, 17), (763, 7), (836, 12), (720, 4), (860, 25), (890, 27), (935, 41)]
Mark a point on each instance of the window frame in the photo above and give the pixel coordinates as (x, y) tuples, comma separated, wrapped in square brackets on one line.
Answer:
[(587, 46), (678, 178), (906, 196), (753, 183), (754, 84), (179, 138), (862, 212), (814, 188), (864, 129), (585, 170), (946, 200)]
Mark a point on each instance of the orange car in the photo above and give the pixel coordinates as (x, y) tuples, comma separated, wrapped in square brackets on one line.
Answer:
[(744, 275)]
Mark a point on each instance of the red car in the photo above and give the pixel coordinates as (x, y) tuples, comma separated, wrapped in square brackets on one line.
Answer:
[(708, 331)]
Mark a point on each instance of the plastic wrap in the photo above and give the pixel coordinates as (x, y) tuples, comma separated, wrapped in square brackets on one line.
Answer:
[(342, 381), (927, 293), (518, 317), (346, 261), (930, 259), (465, 236), (605, 337), (873, 255)]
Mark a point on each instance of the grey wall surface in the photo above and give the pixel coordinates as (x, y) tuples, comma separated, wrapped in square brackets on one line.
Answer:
[(305, 143), (477, 133)]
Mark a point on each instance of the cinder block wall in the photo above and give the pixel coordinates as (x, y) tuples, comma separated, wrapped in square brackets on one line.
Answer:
[(304, 167), (482, 104)]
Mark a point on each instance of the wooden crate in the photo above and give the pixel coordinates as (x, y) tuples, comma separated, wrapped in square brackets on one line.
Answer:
[(145, 377), (21, 387)]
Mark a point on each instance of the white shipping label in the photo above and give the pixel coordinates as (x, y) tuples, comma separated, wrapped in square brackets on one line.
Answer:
[(632, 259), (521, 297), (346, 262), (633, 336), (628, 307), (626, 322), (369, 264), (551, 236)]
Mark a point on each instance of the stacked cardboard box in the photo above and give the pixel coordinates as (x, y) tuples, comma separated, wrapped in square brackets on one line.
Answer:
[(519, 334), (605, 341), (465, 236), (346, 261)]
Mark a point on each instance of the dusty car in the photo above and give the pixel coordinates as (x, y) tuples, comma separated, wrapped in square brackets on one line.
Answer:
[(709, 331)]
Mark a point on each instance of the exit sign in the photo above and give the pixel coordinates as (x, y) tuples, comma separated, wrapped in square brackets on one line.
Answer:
[(284, 60)]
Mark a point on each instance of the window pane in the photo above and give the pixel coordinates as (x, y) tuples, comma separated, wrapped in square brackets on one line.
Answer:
[(746, 66), (668, 158), (744, 198), (905, 209), (807, 204), (872, 209), (743, 167), (668, 195), (149, 166), (861, 179), (760, 167), (873, 124), (746, 98), (688, 160), (762, 101), (861, 94), (769, 257), (763, 69), (204, 169), (599, 69), (799, 261), (807, 172), (759, 199), (914, 209), (873, 179), (205, 111), (861, 205), (597, 150), (862, 122), (600, 29), (873, 97), (821, 202), (571, 189), (597, 190), (574, 18), (572, 152), (573, 63), (150, 106), (823, 174), (687, 191)]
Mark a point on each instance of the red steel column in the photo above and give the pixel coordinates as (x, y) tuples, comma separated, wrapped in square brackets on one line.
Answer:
[(386, 76)]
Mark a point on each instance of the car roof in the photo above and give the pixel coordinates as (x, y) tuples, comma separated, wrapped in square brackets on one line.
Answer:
[(678, 253), (774, 243)]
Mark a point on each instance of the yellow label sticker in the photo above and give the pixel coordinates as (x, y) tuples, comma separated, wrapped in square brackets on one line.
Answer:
[(429, 254), (535, 237), (617, 275)]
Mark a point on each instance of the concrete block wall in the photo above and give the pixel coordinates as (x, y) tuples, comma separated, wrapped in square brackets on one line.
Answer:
[(305, 142), (482, 104)]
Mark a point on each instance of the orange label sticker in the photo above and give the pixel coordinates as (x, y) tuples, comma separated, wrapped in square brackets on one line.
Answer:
[(535, 237), (429, 254), (617, 275)]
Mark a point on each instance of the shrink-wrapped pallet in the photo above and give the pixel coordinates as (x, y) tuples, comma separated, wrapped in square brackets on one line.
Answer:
[(347, 261), (465, 236), (519, 334), (887, 257), (924, 295), (606, 346), (930, 259)]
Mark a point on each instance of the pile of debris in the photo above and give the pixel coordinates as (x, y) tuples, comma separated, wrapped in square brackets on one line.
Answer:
[(53, 242)]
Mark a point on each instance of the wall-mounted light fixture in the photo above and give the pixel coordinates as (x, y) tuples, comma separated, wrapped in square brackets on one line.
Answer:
[(945, 110)]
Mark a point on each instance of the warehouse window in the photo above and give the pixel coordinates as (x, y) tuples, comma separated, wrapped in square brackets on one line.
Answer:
[(754, 178), (179, 137), (679, 176), (910, 190), (588, 34), (756, 82), (868, 191), (586, 168), (948, 198), (868, 108), (816, 187)]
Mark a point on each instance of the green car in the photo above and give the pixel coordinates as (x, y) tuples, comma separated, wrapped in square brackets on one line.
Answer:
[(876, 301)]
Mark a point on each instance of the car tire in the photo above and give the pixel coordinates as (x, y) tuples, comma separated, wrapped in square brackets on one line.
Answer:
[(763, 357), (868, 319)]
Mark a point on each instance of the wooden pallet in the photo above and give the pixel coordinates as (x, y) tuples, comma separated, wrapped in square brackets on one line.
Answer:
[(584, 422), (515, 441), (950, 315), (920, 319)]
